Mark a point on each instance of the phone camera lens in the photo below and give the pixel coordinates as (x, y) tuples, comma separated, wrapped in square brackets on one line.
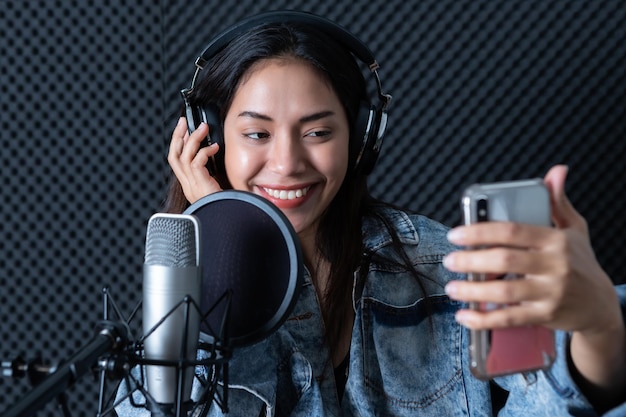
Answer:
[(481, 209)]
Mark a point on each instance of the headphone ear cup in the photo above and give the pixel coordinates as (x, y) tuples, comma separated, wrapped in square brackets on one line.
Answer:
[(211, 116), (365, 144)]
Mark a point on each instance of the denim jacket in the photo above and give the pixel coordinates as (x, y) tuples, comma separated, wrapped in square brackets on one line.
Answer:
[(407, 357)]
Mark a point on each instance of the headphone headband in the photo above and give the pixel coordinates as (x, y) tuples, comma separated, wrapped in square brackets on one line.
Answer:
[(370, 122), (345, 37), (351, 42)]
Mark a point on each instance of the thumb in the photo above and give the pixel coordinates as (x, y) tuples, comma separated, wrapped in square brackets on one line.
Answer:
[(563, 212)]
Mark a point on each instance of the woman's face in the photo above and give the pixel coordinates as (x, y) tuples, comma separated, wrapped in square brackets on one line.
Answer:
[(286, 139)]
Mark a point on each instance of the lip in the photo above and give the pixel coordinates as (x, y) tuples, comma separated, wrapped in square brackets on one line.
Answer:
[(299, 194)]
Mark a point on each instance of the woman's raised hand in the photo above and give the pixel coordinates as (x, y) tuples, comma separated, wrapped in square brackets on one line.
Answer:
[(564, 287), (188, 161)]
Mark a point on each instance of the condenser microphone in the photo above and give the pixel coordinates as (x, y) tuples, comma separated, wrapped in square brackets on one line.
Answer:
[(171, 284), (251, 274)]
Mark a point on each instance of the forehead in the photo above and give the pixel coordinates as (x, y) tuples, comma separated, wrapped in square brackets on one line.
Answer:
[(284, 78), (301, 65)]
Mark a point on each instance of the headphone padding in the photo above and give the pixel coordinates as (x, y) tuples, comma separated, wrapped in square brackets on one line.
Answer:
[(363, 141), (210, 115)]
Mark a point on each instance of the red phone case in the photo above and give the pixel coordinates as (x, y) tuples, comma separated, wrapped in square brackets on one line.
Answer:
[(505, 351)]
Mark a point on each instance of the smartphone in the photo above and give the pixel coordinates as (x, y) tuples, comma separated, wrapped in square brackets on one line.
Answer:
[(506, 351)]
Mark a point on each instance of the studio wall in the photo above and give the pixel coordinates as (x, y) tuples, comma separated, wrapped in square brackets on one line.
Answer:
[(483, 90)]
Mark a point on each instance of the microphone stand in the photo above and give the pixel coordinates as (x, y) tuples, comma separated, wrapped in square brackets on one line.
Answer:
[(36, 371), (111, 336), (112, 353), (215, 359)]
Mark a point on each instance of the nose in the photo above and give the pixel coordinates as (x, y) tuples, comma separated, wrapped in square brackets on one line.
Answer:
[(287, 154)]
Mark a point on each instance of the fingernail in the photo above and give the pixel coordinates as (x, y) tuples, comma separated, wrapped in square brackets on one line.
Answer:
[(461, 317), (448, 261), (455, 234), (451, 289)]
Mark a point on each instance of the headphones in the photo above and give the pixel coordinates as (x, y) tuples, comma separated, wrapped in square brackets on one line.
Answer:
[(366, 135)]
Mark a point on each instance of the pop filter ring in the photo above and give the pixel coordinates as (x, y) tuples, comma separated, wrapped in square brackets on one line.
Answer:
[(208, 220)]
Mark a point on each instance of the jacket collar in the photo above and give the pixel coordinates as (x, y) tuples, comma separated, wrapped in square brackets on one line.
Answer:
[(376, 235)]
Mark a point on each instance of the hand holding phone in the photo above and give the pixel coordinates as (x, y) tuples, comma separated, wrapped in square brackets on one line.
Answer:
[(504, 351)]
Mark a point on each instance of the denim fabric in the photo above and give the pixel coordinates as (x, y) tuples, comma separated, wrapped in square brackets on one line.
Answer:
[(408, 355)]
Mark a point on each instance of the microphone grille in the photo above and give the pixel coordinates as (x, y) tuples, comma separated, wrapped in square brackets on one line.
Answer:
[(171, 240)]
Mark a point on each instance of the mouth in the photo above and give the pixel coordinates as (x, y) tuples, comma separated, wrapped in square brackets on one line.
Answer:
[(287, 194)]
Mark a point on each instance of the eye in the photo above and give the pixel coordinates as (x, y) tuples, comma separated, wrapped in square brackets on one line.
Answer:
[(319, 133), (257, 135)]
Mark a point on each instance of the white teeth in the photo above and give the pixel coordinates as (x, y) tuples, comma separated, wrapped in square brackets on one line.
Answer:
[(287, 194)]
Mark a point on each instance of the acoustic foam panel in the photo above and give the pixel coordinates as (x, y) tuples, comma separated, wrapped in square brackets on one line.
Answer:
[(483, 90)]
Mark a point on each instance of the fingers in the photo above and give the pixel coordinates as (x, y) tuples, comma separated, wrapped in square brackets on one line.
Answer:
[(562, 286), (504, 304), (185, 147), (563, 212), (188, 161), (495, 291), (501, 260), (178, 137), (501, 234), (506, 317)]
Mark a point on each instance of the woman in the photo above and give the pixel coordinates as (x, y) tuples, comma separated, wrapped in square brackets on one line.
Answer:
[(376, 328)]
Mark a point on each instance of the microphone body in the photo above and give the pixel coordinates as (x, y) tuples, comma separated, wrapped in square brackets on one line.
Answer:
[(171, 323)]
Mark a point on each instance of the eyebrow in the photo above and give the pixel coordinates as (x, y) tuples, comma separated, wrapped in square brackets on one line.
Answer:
[(304, 119)]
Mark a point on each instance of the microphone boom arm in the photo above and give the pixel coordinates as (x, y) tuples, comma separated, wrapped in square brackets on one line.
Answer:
[(112, 336)]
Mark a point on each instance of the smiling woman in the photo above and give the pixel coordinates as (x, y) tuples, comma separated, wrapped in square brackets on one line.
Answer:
[(380, 327), (292, 117), (286, 138)]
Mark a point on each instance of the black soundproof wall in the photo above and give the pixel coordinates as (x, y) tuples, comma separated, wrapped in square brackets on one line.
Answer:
[(483, 90)]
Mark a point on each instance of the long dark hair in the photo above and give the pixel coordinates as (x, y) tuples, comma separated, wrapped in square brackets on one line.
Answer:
[(339, 237), (217, 84)]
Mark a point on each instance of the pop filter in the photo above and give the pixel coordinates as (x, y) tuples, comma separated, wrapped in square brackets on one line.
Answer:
[(249, 249)]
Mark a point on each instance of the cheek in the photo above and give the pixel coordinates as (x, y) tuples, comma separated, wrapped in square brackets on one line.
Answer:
[(334, 162), (239, 166)]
